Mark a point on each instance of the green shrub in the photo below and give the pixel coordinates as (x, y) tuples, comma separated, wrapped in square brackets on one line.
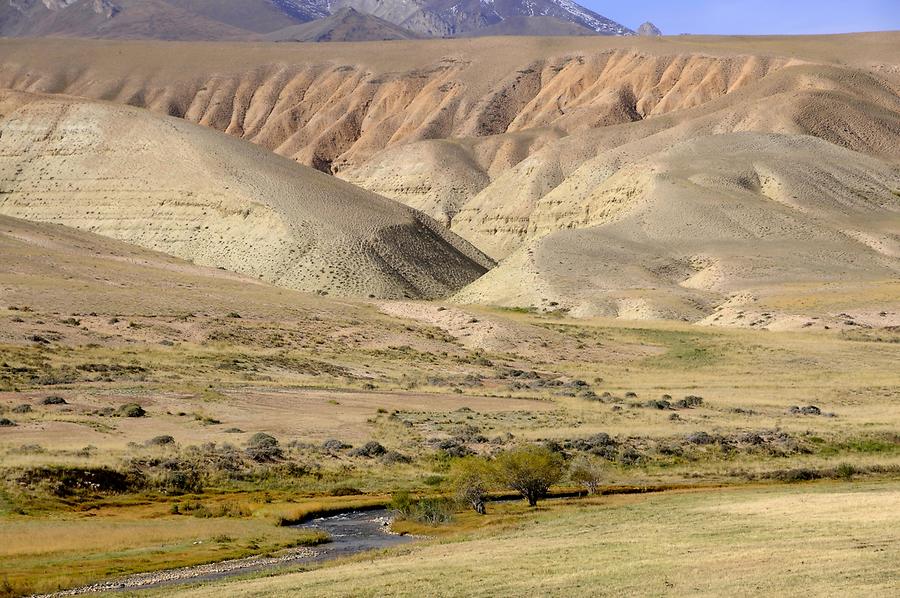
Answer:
[(402, 502), (530, 471), (846, 471), (433, 511)]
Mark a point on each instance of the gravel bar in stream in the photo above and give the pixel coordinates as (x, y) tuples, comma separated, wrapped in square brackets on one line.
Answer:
[(351, 533)]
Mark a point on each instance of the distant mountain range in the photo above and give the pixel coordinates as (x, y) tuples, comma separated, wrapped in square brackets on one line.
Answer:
[(291, 20)]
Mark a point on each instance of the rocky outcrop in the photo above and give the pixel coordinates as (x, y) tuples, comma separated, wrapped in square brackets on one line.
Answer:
[(648, 29)]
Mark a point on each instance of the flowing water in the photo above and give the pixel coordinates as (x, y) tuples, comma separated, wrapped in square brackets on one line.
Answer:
[(351, 533)]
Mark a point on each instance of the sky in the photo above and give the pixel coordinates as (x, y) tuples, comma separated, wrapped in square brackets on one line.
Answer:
[(753, 17)]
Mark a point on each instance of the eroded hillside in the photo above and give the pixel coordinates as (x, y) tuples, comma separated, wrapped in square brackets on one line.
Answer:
[(566, 158), (197, 194)]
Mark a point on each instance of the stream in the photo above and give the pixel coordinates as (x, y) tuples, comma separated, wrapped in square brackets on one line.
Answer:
[(351, 533)]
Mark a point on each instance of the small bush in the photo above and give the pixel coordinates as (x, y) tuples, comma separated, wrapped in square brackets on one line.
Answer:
[(433, 511), (369, 450), (689, 402), (846, 471), (451, 448), (332, 445), (630, 456), (700, 438), (344, 491), (132, 410), (402, 502), (161, 440), (801, 474), (6, 423), (22, 409), (54, 401), (808, 410), (181, 480), (394, 457), (587, 472), (263, 448), (660, 404)]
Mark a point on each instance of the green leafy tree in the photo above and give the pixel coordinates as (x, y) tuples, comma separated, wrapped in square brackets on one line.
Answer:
[(470, 478), (530, 471)]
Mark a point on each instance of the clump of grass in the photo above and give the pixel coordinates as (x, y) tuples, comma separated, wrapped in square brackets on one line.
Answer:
[(225, 509), (428, 510), (310, 538), (846, 471)]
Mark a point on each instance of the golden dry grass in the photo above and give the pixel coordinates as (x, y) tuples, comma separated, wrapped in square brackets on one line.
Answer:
[(297, 366), (44, 555), (822, 540)]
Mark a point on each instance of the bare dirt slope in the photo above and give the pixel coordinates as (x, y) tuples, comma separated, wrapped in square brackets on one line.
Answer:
[(194, 193), (332, 107)]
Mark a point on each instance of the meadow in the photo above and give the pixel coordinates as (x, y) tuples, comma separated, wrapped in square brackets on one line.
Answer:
[(151, 430), (812, 540)]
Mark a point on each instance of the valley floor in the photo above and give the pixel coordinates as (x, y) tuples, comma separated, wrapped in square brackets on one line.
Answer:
[(830, 539), (130, 412)]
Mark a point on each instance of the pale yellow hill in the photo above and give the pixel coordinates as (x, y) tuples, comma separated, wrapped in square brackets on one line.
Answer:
[(194, 193), (677, 233)]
